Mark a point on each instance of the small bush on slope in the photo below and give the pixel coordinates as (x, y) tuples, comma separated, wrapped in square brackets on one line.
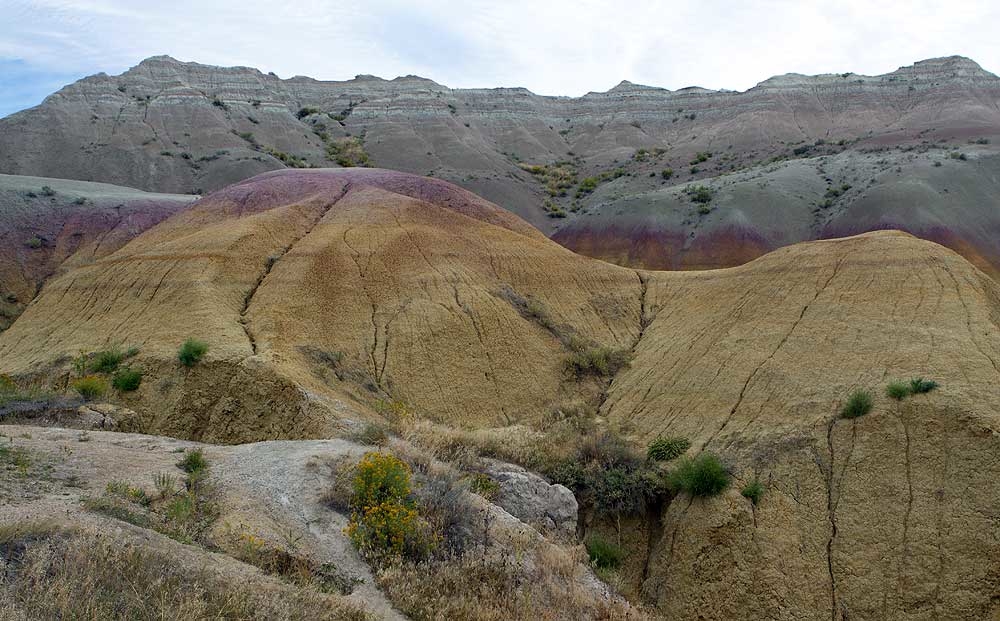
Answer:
[(703, 475), (919, 385), (858, 404), (106, 361), (666, 449), (754, 491), (126, 380), (897, 390), (90, 386), (599, 361), (191, 352)]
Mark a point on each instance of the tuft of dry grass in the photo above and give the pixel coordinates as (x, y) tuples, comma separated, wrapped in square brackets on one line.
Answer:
[(53, 573), (520, 578)]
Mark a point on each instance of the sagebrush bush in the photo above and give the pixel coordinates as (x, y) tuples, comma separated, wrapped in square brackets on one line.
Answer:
[(604, 554), (858, 404), (192, 351), (665, 449), (126, 380), (897, 390), (754, 491), (90, 386), (703, 475)]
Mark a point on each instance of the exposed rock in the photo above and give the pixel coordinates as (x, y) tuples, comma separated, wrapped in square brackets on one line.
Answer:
[(183, 127), (530, 498)]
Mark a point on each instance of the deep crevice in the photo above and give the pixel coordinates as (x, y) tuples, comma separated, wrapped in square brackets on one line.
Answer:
[(272, 261)]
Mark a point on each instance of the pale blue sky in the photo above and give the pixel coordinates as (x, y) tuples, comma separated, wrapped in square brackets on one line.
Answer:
[(553, 47)]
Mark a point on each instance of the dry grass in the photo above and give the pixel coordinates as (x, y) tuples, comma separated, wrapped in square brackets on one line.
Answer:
[(50, 573), (517, 578)]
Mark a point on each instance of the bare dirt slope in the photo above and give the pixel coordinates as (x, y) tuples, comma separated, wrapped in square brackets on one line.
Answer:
[(350, 286), (322, 293)]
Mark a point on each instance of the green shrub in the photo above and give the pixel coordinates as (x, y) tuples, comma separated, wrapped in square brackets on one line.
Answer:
[(90, 386), (665, 449), (47, 191), (667, 173), (191, 352), (754, 491), (126, 380), (703, 475), (193, 462), (897, 390), (34, 242), (858, 404), (304, 112), (919, 385), (106, 361), (603, 553)]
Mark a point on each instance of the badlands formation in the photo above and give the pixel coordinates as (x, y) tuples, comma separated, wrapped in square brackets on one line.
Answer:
[(795, 158), (335, 300)]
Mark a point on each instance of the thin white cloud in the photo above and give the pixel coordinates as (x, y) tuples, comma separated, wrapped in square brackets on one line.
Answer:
[(551, 47)]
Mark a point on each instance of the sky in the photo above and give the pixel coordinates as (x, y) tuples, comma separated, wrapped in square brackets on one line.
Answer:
[(552, 47)]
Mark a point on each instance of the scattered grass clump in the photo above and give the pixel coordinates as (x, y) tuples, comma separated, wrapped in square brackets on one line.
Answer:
[(666, 449), (604, 554), (106, 361), (703, 475), (897, 390), (126, 380), (858, 404), (919, 385), (90, 386), (699, 193), (595, 360), (192, 351), (193, 462), (753, 491), (484, 485)]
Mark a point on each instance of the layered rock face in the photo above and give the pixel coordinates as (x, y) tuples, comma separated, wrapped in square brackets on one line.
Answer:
[(183, 127), (325, 295)]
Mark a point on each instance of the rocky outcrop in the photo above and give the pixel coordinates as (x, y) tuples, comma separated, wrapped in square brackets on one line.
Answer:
[(551, 508)]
